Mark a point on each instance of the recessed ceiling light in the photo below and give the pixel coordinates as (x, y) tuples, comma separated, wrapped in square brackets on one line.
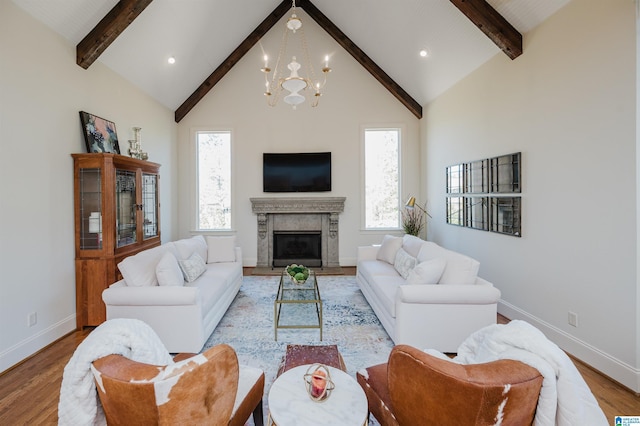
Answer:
[(424, 53), (171, 60)]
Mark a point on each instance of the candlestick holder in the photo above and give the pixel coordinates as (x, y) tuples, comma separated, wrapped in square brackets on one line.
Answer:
[(318, 382), (135, 145)]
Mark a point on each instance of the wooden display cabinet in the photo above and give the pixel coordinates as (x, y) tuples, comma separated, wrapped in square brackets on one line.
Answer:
[(117, 214)]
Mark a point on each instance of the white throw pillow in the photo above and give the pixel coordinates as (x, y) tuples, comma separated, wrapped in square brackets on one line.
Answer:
[(139, 270), (168, 271), (193, 267), (428, 272), (412, 244), (460, 269), (389, 248), (430, 250), (221, 249), (404, 263), (187, 246)]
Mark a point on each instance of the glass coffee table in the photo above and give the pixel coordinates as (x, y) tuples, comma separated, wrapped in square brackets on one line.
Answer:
[(297, 306)]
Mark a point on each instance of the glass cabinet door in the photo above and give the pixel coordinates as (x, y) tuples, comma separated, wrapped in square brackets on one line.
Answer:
[(126, 208), (150, 205), (90, 209)]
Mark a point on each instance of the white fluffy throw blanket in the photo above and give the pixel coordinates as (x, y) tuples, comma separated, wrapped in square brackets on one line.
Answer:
[(565, 399), (79, 403)]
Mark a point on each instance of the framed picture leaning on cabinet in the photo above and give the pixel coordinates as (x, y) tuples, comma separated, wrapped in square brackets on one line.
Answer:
[(99, 134)]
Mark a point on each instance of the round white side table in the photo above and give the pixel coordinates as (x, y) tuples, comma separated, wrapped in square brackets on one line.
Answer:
[(290, 404)]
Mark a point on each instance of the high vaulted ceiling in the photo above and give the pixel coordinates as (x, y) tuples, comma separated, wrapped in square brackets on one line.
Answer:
[(201, 34)]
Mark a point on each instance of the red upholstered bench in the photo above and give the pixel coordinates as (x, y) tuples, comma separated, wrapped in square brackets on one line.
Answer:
[(311, 354)]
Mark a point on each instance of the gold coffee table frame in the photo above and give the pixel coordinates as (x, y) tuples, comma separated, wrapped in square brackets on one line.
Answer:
[(291, 292)]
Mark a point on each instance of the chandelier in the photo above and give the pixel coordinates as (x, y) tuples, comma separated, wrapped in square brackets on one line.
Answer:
[(292, 82)]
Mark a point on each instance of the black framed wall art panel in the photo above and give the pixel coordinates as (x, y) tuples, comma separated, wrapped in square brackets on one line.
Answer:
[(455, 179), (477, 212), (505, 215), (505, 174), (485, 194), (477, 177), (455, 210)]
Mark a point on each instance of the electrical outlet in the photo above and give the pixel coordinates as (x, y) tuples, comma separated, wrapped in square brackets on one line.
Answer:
[(573, 319), (32, 319)]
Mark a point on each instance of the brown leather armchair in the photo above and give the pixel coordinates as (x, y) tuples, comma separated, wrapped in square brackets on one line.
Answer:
[(415, 388), (209, 388)]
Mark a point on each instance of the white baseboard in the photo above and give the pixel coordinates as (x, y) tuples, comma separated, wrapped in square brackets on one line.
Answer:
[(249, 262), (619, 371), (33, 344), (348, 261)]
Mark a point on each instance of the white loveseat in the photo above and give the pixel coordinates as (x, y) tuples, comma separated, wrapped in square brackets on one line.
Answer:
[(425, 295), (181, 289)]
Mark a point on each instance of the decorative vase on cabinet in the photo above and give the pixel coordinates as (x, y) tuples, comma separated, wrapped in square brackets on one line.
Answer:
[(117, 214)]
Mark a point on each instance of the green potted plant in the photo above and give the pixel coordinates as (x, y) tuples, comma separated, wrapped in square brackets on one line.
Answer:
[(413, 220)]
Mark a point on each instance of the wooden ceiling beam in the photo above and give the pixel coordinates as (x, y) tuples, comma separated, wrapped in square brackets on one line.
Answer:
[(364, 60), (490, 22), (107, 30), (232, 59)]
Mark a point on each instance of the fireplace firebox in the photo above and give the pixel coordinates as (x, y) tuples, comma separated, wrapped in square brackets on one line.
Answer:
[(301, 247)]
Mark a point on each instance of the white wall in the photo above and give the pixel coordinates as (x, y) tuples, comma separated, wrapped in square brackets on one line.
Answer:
[(569, 105), (352, 98), (41, 92), (637, 177)]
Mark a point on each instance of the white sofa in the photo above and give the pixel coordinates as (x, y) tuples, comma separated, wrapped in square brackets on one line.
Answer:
[(425, 295), (181, 289)]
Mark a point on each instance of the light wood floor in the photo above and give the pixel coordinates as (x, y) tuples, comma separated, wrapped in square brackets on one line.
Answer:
[(30, 391)]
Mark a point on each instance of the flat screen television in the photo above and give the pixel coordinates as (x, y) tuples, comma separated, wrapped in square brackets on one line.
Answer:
[(296, 172)]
